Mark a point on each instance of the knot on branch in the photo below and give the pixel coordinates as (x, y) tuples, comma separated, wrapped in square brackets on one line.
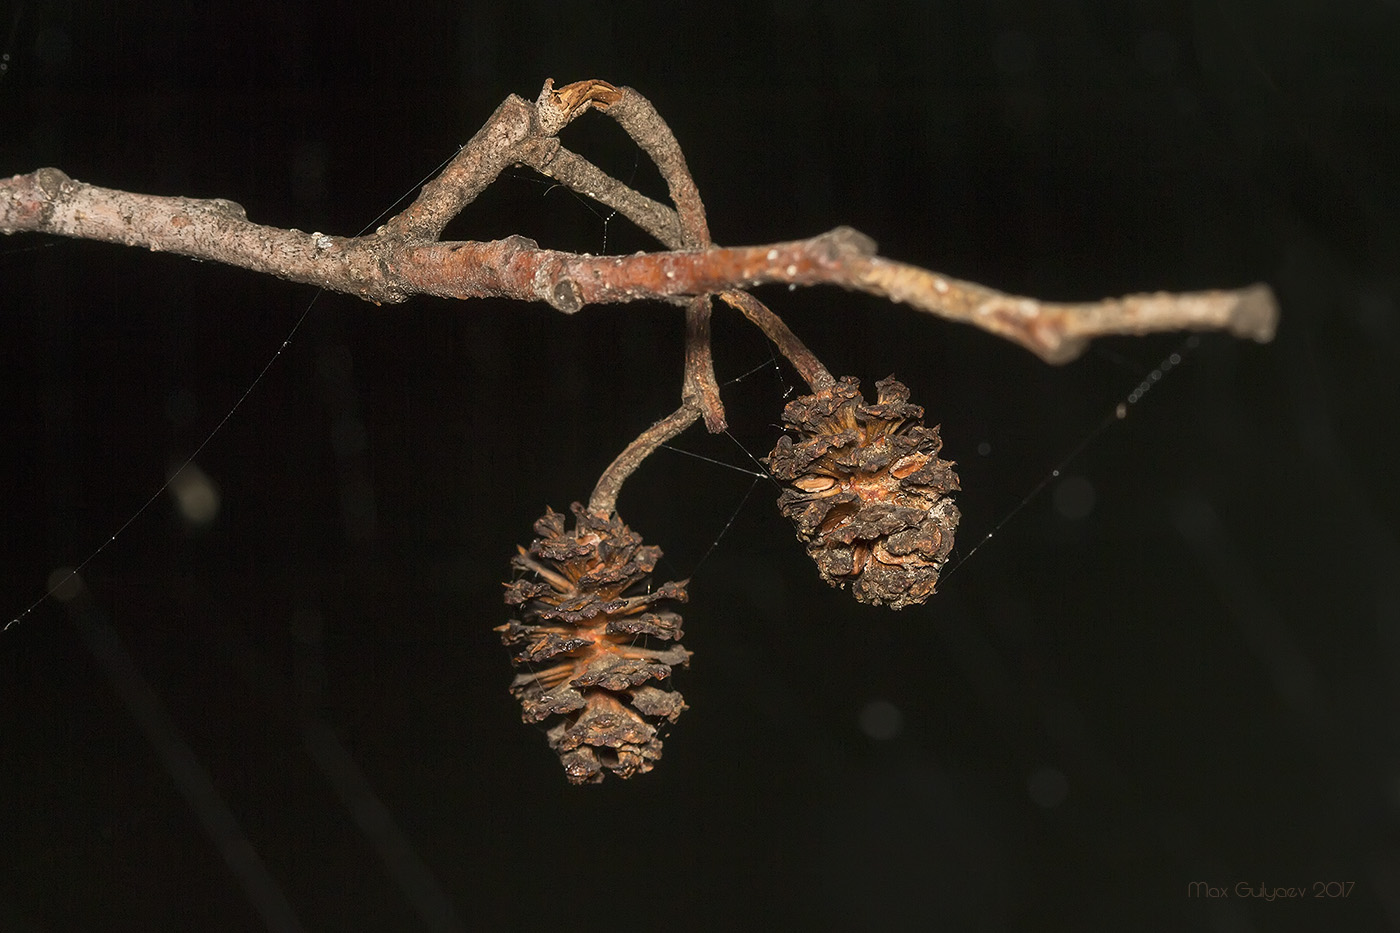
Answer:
[(565, 296), (557, 108), (230, 209), (843, 244), (27, 201), (51, 181)]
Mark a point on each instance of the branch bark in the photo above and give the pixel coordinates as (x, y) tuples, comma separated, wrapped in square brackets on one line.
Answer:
[(603, 501), (404, 257), (387, 267)]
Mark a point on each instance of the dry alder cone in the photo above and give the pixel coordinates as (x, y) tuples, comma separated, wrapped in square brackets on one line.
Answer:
[(867, 492), (584, 614)]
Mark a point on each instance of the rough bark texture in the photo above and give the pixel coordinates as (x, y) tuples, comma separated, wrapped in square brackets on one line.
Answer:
[(404, 257)]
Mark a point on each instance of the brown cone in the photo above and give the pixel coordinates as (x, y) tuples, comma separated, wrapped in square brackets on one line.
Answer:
[(584, 615), (867, 492)]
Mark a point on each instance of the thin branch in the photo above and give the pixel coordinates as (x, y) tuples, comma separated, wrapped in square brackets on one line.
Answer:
[(403, 257), (552, 160), (1058, 332), (775, 329), (496, 145), (700, 385), (517, 268), (604, 498), (635, 114), (381, 269)]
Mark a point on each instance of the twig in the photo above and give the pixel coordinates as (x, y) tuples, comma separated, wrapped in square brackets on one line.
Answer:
[(604, 498), (635, 114), (403, 258), (496, 145), (775, 329), (517, 268), (700, 385), (381, 269), (1058, 332), (551, 159)]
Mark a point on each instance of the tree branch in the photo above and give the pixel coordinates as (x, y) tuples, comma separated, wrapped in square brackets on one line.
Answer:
[(635, 114), (699, 383), (404, 258), (385, 269), (604, 498), (775, 329), (552, 160), (499, 143), (1058, 332)]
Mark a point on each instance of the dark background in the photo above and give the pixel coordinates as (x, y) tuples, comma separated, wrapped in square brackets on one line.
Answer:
[(1175, 664)]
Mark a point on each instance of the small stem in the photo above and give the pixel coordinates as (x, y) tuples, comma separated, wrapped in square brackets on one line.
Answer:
[(639, 118), (635, 114), (475, 167), (496, 145), (604, 498), (700, 384), (572, 170), (794, 350)]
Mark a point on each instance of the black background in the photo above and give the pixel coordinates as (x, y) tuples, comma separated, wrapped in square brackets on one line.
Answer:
[(1194, 681)]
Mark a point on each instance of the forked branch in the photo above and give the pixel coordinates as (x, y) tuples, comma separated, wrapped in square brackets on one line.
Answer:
[(404, 257)]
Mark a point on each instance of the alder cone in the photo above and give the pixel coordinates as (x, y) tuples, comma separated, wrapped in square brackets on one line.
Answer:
[(865, 488), (584, 617)]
